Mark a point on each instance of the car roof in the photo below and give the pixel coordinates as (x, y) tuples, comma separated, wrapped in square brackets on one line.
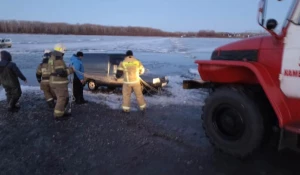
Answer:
[(109, 54), (112, 57)]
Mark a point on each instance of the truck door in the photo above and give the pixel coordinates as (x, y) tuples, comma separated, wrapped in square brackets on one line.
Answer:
[(290, 66)]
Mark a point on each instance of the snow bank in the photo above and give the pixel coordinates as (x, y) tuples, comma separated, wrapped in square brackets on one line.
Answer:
[(179, 96)]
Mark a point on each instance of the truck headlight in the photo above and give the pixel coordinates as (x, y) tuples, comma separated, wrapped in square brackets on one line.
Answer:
[(156, 80)]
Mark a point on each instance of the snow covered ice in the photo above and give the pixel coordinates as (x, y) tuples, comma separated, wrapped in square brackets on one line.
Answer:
[(172, 57)]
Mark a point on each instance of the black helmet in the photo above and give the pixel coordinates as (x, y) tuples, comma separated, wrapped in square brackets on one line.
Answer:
[(129, 53)]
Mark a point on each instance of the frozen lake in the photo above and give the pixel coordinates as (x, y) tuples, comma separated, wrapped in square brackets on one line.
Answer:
[(173, 57)]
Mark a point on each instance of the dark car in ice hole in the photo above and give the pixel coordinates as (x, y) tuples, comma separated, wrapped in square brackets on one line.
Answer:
[(101, 69)]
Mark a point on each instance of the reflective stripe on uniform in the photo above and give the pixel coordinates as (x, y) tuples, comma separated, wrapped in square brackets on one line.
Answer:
[(60, 82), (59, 67), (125, 107), (132, 82), (125, 71), (131, 63), (142, 70), (50, 99), (45, 81), (58, 113), (127, 64), (143, 106)]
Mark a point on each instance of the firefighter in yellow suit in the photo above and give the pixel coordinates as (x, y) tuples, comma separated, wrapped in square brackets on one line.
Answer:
[(59, 80), (43, 76), (131, 69)]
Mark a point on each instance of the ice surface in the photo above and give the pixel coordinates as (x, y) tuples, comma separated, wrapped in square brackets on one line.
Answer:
[(169, 56), (179, 96), (193, 71)]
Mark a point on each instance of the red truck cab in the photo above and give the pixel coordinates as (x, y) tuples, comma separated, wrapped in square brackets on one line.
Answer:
[(254, 85)]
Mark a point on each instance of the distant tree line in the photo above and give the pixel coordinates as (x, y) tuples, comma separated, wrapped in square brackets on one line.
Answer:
[(36, 27)]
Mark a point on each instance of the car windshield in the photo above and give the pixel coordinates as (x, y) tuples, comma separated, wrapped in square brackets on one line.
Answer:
[(115, 59), (94, 63)]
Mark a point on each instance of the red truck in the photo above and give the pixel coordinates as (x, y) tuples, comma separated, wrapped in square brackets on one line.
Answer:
[(254, 85)]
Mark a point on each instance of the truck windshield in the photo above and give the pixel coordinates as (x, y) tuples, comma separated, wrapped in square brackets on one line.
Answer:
[(285, 8)]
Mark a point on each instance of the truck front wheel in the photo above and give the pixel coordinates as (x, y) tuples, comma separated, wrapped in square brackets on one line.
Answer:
[(233, 122)]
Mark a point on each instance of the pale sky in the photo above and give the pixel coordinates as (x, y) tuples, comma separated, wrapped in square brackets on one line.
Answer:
[(168, 15)]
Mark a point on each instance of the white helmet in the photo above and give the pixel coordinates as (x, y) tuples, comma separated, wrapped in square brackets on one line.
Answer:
[(60, 48), (47, 51)]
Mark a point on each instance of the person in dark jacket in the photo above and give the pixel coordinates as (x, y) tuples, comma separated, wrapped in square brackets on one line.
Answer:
[(78, 81), (9, 73)]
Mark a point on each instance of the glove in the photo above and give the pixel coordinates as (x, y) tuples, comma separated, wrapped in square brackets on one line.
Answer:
[(39, 80)]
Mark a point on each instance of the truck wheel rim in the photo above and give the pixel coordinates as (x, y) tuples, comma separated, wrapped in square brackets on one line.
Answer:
[(228, 122)]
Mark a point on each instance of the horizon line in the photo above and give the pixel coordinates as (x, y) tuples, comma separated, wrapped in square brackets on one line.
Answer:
[(68, 23)]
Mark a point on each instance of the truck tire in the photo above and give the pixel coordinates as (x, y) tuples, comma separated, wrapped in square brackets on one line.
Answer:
[(233, 122)]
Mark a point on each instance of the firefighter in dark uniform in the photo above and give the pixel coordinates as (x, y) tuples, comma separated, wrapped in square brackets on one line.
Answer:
[(59, 80), (131, 69), (9, 74), (43, 76)]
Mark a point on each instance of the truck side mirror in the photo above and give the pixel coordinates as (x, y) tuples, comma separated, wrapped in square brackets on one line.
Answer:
[(271, 24)]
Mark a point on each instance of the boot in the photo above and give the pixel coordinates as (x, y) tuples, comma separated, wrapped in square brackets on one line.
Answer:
[(124, 111), (51, 104), (12, 105), (83, 101), (17, 106), (61, 118), (143, 111), (66, 116), (8, 100), (67, 102)]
